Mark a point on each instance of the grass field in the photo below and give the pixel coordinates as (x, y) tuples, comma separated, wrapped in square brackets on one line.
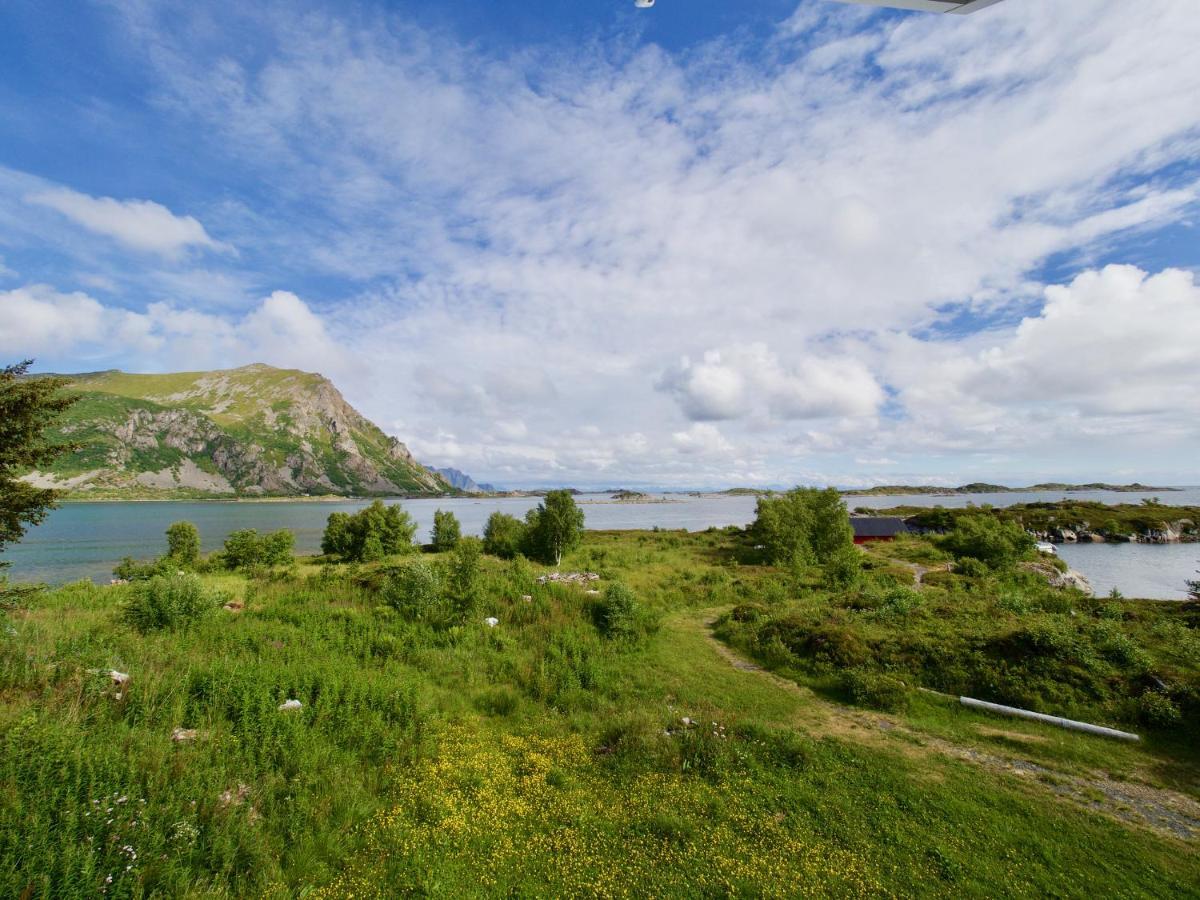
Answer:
[(539, 757)]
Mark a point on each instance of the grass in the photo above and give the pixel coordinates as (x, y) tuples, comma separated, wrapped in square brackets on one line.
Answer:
[(534, 758)]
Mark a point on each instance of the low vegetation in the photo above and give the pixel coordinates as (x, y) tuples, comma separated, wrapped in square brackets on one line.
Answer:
[(451, 724)]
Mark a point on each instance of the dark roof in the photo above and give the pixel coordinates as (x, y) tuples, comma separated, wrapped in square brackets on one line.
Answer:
[(878, 526)]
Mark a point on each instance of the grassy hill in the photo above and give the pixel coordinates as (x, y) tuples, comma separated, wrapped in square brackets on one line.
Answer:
[(253, 431)]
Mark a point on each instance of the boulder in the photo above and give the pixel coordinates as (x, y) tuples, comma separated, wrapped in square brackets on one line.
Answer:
[(290, 705), (491, 621), (184, 735), (1055, 578)]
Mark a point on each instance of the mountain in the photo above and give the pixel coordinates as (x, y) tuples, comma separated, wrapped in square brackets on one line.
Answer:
[(253, 431), (462, 481)]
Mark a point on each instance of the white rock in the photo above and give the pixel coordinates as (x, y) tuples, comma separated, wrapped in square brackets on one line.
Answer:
[(528, 598), (184, 735), (118, 678), (491, 621), (289, 705)]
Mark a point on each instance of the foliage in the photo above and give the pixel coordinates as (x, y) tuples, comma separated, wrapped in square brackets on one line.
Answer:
[(616, 613), (1157, 710), (170, 601), (446, 531), (28, 408), (802, 526), (370, 534), (995, 543), (875, 689), (247, 549), (416, 591), (1194, 589), (465, 577), (504, 535), (843, 568), (554, 528), (183, 544)]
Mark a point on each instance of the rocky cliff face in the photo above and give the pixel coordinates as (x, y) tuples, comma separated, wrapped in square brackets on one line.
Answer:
[(254, 431)]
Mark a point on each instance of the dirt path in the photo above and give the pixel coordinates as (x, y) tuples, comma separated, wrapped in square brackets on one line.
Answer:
[(1134, 803)]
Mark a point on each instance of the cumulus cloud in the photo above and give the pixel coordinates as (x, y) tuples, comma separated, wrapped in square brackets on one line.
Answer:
[(745, 380), (69, 327), (142, 225)]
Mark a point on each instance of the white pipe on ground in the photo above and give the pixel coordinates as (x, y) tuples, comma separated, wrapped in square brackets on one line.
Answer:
[(1050, 720)]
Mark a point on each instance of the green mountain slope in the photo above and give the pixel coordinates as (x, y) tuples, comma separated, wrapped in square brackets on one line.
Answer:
[(253, 431)]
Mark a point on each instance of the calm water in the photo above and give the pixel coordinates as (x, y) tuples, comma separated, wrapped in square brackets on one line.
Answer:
[(85, 540)]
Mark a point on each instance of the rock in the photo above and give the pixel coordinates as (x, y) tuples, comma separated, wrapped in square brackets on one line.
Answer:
[(119, 679), (1055, 578), (290, 705), (491, 621), (527, 598), (592, 593), (234, 797), (184, 735), (116, 581), (687, 721), (234, 606)]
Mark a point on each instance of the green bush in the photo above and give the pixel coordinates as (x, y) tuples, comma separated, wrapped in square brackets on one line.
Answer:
[(970, 567), (446, 531), (247, 549), (370, 534), (416, 591), (170, 601), (1157, 710), (875, 689), (465, 581), (554, 528), (503, 536), (983, 537), (844, 568), (183, 544), (802, 526), (616, 612)]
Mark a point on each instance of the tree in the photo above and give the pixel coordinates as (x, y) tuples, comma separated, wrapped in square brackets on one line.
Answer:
[(983, 537), (503, 536), (802, 526), (370, 534), (243, 549), (555, 527), (183, 544), (28, 407), (446, 531), (278, 548)]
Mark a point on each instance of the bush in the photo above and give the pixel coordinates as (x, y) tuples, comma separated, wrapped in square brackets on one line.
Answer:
[(616, 613), (446, 531), (970, 567), (170, 601), (1158, 710), (129, 569), (802, 526), (247, 549), (465, 581), (985, 538), (874, 689), (503, 536), (370, 534), (416, 591), (183, 544), (843, 568)]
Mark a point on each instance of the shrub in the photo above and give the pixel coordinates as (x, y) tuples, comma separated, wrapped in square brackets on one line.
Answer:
[(130, 569), (1158, 710), (970, 567), (416, 591), (370, 534), (465, 581), (503, 536), (446, 531), (615, 614), (183, 544), (843, 568), (170, 601), (802, 526), (983, 537), (748, 612), (247, 549), (875, 689)]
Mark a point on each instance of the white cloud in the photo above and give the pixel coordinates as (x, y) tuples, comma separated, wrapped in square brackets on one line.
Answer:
[(703, 438), (38, 318), (746, 380), (142, 225)]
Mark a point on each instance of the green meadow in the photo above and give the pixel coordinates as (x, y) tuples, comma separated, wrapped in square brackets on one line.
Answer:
[(721, 728)]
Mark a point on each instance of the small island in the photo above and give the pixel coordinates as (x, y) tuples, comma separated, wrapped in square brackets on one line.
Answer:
[(979, 487)]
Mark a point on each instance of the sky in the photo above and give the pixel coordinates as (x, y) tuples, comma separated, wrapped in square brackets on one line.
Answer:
[(708, 244)]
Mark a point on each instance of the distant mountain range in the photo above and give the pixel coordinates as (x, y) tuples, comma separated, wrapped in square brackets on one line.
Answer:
[(462, 481), (256, 431)]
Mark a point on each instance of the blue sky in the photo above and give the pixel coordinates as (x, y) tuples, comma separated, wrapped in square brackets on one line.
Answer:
[(705, 244)]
